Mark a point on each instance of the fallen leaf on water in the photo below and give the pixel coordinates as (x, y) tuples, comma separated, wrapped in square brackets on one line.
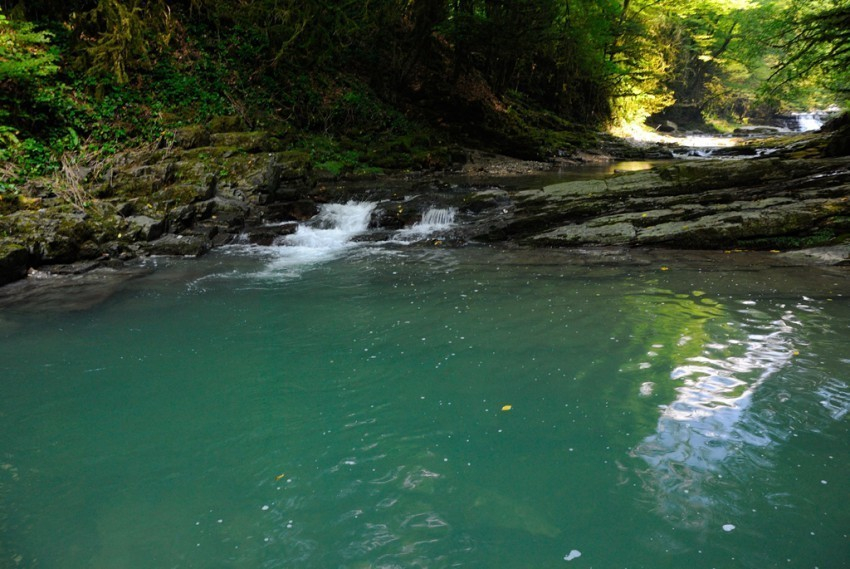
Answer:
[(279, 476), (506, 407)]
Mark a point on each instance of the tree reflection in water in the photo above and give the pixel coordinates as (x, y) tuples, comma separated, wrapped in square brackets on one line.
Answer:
[(709, 431)]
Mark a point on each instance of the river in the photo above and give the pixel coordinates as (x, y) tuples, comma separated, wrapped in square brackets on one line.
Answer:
[(327, 402)]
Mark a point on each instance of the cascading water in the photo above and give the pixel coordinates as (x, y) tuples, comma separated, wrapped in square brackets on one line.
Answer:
[(323, 238), (809, 121), (433, 220), (332, 232), (436, 218), (333, 228)]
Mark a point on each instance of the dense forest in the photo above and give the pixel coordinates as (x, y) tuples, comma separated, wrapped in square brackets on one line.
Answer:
[(521, 76)]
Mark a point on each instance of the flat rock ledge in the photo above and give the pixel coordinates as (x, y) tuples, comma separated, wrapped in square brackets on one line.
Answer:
[(765, 204)]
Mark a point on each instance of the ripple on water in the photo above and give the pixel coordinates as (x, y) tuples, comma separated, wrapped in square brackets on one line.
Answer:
[(711, 423)]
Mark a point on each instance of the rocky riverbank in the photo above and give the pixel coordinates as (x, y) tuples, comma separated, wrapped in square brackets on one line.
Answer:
[(207, 188)]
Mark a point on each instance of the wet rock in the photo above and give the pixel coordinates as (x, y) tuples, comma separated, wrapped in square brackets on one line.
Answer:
[(266, 235), (181, 218), (582, 234), (834, 255), (486, 199), (667, 126), (177, 245), (297, 210), (756, 130), (709, 204)]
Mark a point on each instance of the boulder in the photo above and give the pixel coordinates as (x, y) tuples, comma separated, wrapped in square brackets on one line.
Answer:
[(218, 125), (14, 261), (191, 137), (266, 235), (177, 245), (667, 126), (145, 228)]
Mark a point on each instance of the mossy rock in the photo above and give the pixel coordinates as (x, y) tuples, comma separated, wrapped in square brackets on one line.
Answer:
[(251, 142), (219, 125), (294, 164), (52, 236), (14, 261), (181, 194), (194, 136), (9, 203)]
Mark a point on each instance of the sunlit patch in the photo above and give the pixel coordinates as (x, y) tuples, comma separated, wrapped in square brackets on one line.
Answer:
[(707, 426), (640, 133)]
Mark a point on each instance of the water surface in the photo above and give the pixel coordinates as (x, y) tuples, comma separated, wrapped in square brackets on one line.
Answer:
[(393, 406)]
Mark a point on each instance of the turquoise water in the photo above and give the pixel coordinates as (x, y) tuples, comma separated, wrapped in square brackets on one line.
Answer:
[(250, 410)]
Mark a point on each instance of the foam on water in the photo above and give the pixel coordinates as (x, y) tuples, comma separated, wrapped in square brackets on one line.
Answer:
[(324, 238)]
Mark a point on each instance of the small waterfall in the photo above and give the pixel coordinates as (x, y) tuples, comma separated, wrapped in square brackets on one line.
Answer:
[(433, 220), (321, 239), (694, 153), (333, 227), (808, 121), (436, 218)]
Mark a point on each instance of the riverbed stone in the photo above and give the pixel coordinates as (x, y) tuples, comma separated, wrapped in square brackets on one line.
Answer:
[(837, 255)]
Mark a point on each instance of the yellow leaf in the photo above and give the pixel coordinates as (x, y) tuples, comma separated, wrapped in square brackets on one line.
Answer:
[(665, 268), (506, 408), (279, 476)]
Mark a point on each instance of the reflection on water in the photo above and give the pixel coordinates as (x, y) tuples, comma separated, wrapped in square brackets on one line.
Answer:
[(425, 407), (712, 428)]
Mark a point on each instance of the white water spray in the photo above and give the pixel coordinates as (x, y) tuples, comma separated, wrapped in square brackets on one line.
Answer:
[(321, 239), (808, 121), (433, 220), (333, 228)]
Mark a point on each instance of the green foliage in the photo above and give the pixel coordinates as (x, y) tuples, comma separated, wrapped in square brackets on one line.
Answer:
[(360, 78), (123, 37), (25, 54), (813, 40)]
